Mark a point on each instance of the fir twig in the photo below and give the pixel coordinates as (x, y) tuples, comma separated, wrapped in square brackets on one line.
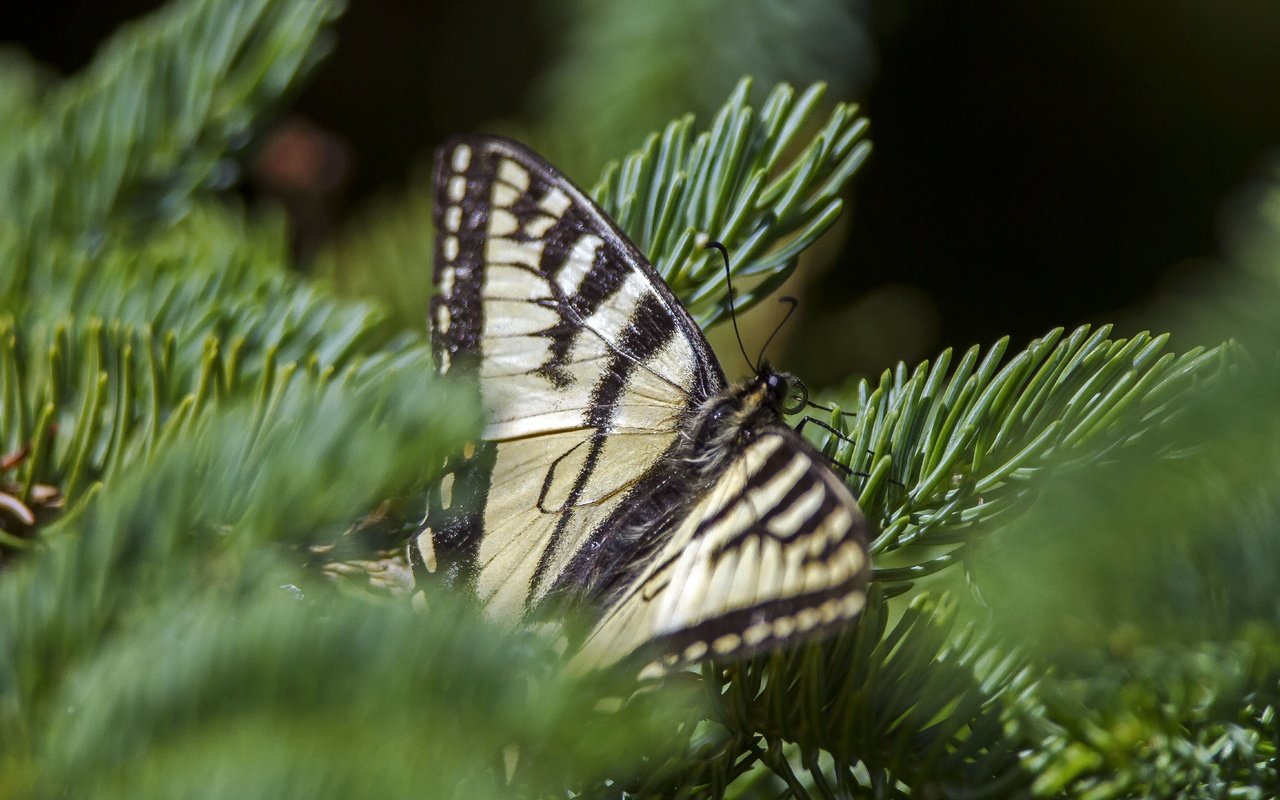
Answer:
[(150, 121), (754, 181), (947, 451)]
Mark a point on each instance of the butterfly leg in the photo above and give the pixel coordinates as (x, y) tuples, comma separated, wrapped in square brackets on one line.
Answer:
[(842, 437), (836, 464), (825, 426)]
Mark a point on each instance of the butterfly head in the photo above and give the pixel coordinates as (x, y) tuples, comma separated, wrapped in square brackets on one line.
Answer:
[(781, 391)]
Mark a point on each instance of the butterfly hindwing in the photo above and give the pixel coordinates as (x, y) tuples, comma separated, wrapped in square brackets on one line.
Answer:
[(617, 471), (774, 550), (587, 365)]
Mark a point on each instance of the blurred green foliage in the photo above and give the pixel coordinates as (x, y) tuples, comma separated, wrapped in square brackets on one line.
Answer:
[(624, 69), (1073, 597)]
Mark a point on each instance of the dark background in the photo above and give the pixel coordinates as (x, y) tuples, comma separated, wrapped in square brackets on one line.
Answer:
[(1035, 164)]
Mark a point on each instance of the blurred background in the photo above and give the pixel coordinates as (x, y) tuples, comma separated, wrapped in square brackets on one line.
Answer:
[(1035, 165)]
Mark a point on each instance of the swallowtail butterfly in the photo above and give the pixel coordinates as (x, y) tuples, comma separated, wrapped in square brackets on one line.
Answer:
[(619, 472)]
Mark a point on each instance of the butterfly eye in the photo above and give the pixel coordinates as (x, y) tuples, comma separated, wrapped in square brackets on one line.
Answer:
[(797, 398)]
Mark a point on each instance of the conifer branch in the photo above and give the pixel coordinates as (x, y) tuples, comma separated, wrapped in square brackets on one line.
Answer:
[(753, 181), (150, 121), (946, 452)]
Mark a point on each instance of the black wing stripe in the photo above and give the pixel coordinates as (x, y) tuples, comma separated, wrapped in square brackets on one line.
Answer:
[(774, 464), (455, 527), (748, 630), (456, 310), (560, 239), (644, 337), (591, 290), (457, 320), (740, 575)]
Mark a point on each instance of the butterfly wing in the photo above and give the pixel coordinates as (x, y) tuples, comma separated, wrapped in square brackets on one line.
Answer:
[(773, 552), (587, 365)]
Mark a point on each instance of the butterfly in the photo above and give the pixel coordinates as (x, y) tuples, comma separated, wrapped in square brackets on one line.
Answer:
[(619, 474)]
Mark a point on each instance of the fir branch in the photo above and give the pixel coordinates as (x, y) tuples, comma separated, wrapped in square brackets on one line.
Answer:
[(919, 694), (1161, 670), (184, 330), (950, 454), (216, 490), (88, 401), (152, 118), (1196, 721), (212, 274), (740, 184), (947, 452)]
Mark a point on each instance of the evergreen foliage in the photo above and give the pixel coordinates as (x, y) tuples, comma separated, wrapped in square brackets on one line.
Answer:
[(1073, 591)]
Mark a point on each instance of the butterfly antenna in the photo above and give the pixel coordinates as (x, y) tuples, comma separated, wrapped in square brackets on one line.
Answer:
[(733, 314), (794, 304)]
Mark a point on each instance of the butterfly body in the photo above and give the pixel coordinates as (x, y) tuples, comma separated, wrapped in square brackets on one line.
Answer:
[(708, 442), (619, 473)]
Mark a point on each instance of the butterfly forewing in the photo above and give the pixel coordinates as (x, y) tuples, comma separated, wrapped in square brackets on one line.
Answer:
[(587, 366), (592, 483)]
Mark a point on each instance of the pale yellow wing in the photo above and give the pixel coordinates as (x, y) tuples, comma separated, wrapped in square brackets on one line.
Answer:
[(587, 367)]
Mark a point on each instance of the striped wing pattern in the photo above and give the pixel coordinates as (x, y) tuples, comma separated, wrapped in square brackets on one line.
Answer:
[(587, 484), (587, 366), (775, 550)]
